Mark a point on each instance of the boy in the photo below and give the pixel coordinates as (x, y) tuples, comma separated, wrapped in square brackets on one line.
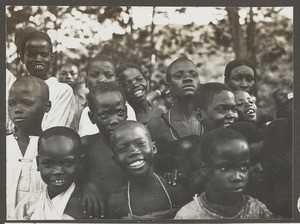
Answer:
[(147, 196), (101, 68), (225, 158), (215, 106), (36, 52), (245, 106), (135, 88), (183, 79), (59, 161), (107, 110), (28, 100)]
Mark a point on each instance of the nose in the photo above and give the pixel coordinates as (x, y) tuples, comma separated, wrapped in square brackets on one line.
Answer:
[(133, 151), (101, 78), (57, 169), (18, 110), (258, 168), (232, 113), (114, 120), (187, 78), (236, 176), (243, 84)]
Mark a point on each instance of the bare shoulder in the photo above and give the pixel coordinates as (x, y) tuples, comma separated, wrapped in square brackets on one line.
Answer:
[(90, 140), (117, 206)]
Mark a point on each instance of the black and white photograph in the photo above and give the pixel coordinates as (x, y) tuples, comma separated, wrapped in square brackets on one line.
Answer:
[(150, 113)]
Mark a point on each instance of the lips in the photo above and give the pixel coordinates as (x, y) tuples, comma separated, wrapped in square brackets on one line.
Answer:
[(250, 111), (38, 67), (189, 87), (237, 189), (137, 164), (19, 119), (138, 93), (58, 182), (227, 123)]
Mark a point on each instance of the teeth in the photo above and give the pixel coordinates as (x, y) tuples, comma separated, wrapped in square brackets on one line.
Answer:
[(19, 119), (39, 67), (251, 111), (137, 164), (138, 93), (59, 181)]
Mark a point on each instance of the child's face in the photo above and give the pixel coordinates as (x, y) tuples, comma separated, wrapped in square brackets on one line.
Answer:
[(221, 112), (245, 106), (256, 169), (26, 105), (184, 79), (109, 110), (100, 71), (37, 57), (59, 162), (69, 75), (133, 150), (134, 85), (241, 78), (228, 172)]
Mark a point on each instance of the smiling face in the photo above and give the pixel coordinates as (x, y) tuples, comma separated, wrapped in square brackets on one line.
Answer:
[(100, 71), (221, 112), (246, 107), (241, 78), (108, 111), (134, 85), (59, 162), (37, 57), (69, 75), (133, 149), (228, 169), (27, 103), (183, 79)]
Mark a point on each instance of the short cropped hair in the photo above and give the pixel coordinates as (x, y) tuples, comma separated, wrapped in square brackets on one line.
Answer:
[(177, 60), (204, 94), (218, 136), (60, 131), (249, 130), (125, 66), (100, 88), (101, 57), (236, 63)]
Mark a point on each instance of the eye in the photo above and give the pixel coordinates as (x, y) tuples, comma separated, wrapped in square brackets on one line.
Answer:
[(45, 54), (94, 74), (109, 74), (244, 168), (121, 113), (194, 74), (141, 143), (47, 164), (68, 163), (249, 78), (30, 54), (28, 102), (220, 109), (12, 102), (239, 104), (223, 169), (103, 116), (178, 75)]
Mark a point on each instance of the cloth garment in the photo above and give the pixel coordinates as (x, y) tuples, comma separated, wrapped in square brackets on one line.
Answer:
[(54, 208), (199, 208), (22, 177), (62, 105), (10, 79), (86, 127)]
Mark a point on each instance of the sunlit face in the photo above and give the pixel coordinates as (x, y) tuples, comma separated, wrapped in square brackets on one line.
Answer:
[(100, 71), (221, 112), (26, 105), (245, 106), (241, 78), (133, 150), (183, 79), (37, 57), (108, 111), (69, 75), (134, 85), (228, 171), (59, 162)]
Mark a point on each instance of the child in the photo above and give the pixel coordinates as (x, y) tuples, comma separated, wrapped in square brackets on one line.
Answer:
[(215, 106), (225, 158), (59, 161), (100, 68), (183, 79), (10, 79), (28, 100), (135, 87), (36, 52), (146, 196), (245, 106), (107, 110)]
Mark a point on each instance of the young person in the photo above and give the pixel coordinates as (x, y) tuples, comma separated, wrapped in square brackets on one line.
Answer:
[(36, 52), (147, 195), (28, 100), (135, 88), (10, 79), (245, 106), (107, 109), (59, 161), (183, 79), (101, 68), (225, 160)]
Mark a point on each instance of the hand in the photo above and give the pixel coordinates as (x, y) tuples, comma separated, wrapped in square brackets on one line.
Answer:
[(93, 201), (173, 177)]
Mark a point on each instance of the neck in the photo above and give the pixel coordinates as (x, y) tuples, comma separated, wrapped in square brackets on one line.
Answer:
[(183, 108), (21, 134), (44, 77), (219, 199), (142, 105), (144, 181)]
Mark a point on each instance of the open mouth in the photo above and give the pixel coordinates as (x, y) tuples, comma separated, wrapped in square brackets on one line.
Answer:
[(39, 67), (137, 164), (250, 112), (58, 182), (237, 190), (138, 93), (226, 124), (19, 119)]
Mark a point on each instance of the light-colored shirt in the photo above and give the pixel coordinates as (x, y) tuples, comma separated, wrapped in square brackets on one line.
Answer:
[(22, 177), (62, 105), (86, 127)]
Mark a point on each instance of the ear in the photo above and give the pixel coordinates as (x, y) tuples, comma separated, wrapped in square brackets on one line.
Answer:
[(126, 111), (199, 114), (118, 81), (154, 148), (48, 106), (91, 117), (37, 162), (81, 161), (115, 160)]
